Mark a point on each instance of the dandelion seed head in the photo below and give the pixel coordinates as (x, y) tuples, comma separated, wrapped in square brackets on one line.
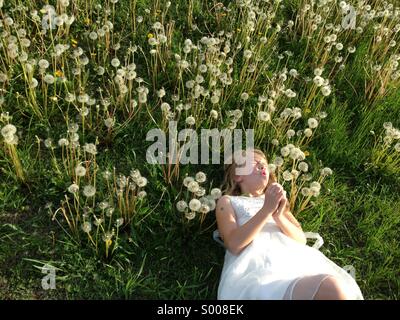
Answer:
[(142, 194), (87, 227), (200, 177), (89, 191), (190, 120), (80, 171), (8, 130), (63, 142), (181, 206), (90, 148), (312, 123), (190, 215), (73, 188), (194, 205), (141, 182)]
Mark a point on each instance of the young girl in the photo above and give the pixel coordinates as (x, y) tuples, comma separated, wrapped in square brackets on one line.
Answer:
[(267, 256)]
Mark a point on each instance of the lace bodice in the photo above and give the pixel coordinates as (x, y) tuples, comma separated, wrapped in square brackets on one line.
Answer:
[(247, 207)]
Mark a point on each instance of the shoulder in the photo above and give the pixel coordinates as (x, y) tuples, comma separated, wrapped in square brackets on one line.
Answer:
[(224, 201)]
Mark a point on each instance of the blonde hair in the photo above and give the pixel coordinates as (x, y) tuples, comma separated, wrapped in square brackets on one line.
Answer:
[(229, 185)]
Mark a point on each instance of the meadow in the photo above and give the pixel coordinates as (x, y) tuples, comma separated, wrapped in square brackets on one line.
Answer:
[(82, 83)]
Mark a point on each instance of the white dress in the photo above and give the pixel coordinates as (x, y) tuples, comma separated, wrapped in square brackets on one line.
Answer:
[(272, 261)]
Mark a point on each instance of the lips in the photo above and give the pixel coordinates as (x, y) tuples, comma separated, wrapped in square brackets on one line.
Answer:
[(263, 173)]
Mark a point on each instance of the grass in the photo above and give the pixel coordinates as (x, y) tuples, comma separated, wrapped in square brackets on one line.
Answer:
[(165, 256)]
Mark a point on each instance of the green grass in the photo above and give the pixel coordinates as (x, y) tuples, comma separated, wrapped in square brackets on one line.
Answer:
[(161, 257)]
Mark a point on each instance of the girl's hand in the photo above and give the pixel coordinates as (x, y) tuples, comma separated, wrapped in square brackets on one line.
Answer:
[(279, 212), (273, 195)]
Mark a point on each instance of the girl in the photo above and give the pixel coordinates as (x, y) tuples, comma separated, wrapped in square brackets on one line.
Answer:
[(267, 256)]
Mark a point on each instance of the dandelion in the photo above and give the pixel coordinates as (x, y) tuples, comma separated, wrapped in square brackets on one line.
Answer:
[(43, 64), (315, 184), (397, 147), (204, 209), (293, 73), (387, 125), (190, 121), (142, 194), (49, 79), (80, 171), (312, 123), (115, 62), (305, 191), (8, 130), (339, 46), (33, 84), (308, 132), (247, 54), (271, 167), (109, 122), (89, 191), (290, 133), (119, 222), (90, 148), (193, 186), (103, 205), (318, 71), (73, 128), (326, 171), (244, 96), (181, 206), (87, 227), (290, 93), (319, 81), (98, 221), (63, 142), (278, 161), (326, 90), (100, 71), (303, 166), (200, 192), (187, 180), (200, 177), (48, 143), (190, 215), (314, 191), (107, 238), (264, 116), (351, 49), (141, 182), (285, 151), (215, 193), (214, 114), (73, 188), (194, 204), (287, 175)]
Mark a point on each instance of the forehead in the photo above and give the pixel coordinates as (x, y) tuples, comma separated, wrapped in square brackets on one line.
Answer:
[(258, 157)]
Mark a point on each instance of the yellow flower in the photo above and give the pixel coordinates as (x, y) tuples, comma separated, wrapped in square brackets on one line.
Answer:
[(307, 110), (306, 153), (108, 242), (238, 29), (150, 35), (59, 73), (88, 21), (74, 42)]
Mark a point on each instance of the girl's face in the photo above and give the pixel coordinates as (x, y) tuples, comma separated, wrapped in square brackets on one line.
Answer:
[(259, 174)]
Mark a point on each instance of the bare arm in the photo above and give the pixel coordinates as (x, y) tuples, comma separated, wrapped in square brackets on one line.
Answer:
[(235, 237)]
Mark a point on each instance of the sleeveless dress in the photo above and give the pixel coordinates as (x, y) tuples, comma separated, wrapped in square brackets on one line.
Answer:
[(273, 262)]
